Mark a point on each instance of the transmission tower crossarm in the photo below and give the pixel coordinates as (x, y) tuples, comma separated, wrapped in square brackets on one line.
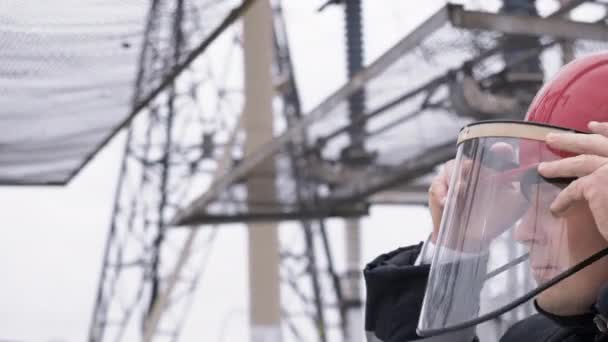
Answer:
[(553, 26)]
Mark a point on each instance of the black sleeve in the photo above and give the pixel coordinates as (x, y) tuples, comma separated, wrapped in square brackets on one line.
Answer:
[(395, 289)]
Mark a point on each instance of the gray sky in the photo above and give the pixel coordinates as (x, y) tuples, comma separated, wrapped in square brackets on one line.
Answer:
[(53, 238)]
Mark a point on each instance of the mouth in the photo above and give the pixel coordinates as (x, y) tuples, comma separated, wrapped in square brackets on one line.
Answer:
[(544, 272)]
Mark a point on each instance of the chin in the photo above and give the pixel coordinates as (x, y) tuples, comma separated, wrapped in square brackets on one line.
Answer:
[(559, 300)]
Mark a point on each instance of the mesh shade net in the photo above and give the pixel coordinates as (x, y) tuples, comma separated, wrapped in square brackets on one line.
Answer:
[(68, 75), (70, 79)]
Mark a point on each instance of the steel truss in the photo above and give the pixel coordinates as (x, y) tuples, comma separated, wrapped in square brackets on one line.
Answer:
[(176, 147), (313, 298), (183, 139), (170, 150), (377, 177)]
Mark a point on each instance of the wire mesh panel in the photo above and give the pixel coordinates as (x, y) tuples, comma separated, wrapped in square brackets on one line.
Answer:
[(71, 75), (67, 70)]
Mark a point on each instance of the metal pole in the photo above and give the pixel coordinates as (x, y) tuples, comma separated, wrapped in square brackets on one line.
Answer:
[(567, 46), (264, 285), (355, 155), (525, 78), (352, 288), (354, 55)]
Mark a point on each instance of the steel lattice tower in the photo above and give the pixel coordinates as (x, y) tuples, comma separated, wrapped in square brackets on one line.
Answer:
[(170, 150), (188, 138), (184, 136)]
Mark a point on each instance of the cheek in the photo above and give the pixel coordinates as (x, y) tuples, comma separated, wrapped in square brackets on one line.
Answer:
[(567, 297), (557, 250), (577, 293), (584, 238), (581, 239)]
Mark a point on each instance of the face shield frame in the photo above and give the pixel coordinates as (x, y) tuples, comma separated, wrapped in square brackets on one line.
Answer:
[(529, 175)]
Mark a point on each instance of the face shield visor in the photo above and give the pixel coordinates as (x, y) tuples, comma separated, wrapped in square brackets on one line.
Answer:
[(499, 245)]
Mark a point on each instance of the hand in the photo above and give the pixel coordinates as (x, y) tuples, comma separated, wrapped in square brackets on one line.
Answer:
[(484, 222), (438, 192), (590, 167)]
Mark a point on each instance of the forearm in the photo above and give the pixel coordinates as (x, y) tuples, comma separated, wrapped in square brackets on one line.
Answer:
[(396, 283), (395, 288)]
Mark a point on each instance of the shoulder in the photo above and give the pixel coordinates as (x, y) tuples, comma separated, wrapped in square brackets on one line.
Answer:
[(536, 328)]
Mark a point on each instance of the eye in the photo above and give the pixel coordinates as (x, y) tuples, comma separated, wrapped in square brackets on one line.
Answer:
[(529, 191), (549, 192), (543, 194)]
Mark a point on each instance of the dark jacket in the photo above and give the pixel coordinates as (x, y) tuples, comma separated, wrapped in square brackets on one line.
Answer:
[(395, 289)]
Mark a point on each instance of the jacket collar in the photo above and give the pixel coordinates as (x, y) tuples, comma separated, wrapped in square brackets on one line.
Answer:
[(582, 322)]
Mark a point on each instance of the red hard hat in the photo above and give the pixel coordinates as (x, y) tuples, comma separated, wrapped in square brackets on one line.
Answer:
[(575, 96)]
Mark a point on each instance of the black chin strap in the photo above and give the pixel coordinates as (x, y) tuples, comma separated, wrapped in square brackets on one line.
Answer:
[(583, 321), (507, 266), (493, 314)]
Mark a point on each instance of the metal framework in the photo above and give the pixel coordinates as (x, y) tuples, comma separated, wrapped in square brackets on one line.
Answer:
[(449, 14), (323, 109), (170, 148), (308, 293), (554, 26), (173, 147), (176, 146)]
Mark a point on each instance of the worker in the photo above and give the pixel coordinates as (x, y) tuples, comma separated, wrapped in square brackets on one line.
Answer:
[(520, 216)]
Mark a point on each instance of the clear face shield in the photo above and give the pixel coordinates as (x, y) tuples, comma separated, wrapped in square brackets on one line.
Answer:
[(499, 245)]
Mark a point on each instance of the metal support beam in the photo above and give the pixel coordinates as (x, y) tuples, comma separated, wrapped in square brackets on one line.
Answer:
[(322, 110), (408, 195), (526, 25), (454, 13), (567, 46), (299, 215), (408, 170)]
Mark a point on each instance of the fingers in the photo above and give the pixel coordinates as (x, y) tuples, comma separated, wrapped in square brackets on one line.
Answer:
[(572, 193), (439, 187), (438, 192), (579, 166), (599, 128), (597, 198), (579, 143), (589, 188)]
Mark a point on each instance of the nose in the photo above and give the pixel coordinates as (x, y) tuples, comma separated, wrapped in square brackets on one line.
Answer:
[(528, 231)]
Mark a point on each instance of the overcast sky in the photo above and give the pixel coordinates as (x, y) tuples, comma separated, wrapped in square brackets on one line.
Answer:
[(52, 240)]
